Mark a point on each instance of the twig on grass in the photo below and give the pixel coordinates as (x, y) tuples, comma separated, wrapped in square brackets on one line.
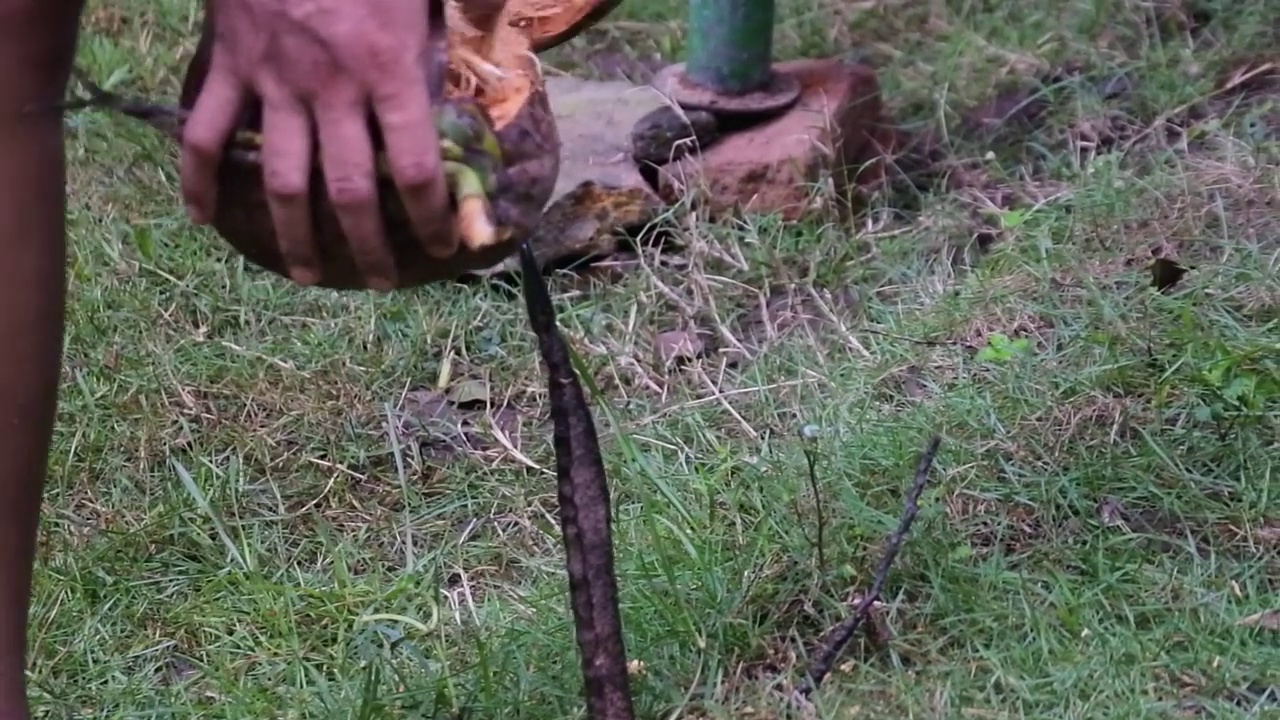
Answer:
[(843, 633), (819, 543), (914, 340), (584, 512), (168, 120)]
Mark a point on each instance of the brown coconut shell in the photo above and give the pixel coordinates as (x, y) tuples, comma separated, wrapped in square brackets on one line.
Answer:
[(494, 65)]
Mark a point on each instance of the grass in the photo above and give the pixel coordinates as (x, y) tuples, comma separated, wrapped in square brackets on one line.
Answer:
[(251, 514)]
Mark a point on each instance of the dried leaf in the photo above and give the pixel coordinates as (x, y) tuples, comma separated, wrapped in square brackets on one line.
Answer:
[(678, 346), (1111, 512), (460, 421), (1268, 619), (1269, 533), (911, 383), (428, 407), (472, 391)]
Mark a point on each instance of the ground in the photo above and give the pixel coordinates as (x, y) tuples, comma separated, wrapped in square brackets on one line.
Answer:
[(260, 504)]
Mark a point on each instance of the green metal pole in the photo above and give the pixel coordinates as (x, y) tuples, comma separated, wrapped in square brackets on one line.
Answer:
[(730, 47)]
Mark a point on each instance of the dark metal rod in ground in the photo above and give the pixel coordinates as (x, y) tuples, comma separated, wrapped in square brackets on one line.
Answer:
[(843, 632), (730, 47), (584, 512)]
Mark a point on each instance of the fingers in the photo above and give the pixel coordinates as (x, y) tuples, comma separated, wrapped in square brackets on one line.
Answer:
[(212, 120), (346, 154), (413, 155), (286, 169)]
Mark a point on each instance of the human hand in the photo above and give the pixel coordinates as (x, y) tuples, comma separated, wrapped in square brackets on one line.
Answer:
[(318, 68)]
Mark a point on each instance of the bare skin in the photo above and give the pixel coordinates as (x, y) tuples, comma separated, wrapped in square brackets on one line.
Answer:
[(37, 45), (315, 64), (318, 67)]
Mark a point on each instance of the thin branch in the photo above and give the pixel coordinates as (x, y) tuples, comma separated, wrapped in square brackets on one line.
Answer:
[(583, 491), (914, 340), (820, 541), (167, 119), (844, 632)]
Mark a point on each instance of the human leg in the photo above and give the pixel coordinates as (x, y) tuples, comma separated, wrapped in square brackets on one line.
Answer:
[(37, 48)]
